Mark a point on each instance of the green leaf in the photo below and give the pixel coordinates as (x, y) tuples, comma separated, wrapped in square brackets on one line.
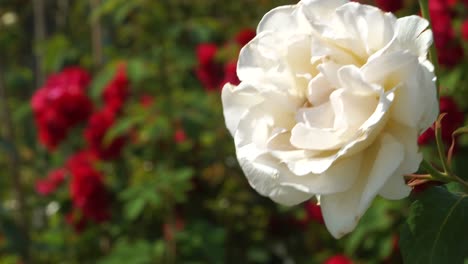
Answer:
[(21, 112), (100, 81), (56, 51), (134, 208), (138, 252), (436, 230), (138, 70), (121, 128)]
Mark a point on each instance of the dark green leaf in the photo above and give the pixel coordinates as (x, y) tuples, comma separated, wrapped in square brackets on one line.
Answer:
[(134, 208), (436, 230)]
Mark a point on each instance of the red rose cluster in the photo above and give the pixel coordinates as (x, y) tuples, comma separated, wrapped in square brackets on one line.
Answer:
[(447, 42), (211, 71), (88, 192), (58, 106), (116, 92), (114, 96), (453, 119), (53, 180)]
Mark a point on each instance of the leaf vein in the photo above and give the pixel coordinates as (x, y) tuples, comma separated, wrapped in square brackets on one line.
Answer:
[(443, 225)]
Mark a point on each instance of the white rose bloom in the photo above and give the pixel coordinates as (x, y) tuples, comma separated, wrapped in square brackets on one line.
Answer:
[(333, 97)]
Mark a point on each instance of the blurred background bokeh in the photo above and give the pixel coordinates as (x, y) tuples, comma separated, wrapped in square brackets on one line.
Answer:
[(114, 149)]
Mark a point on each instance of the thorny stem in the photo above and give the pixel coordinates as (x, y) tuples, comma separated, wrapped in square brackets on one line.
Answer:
[(434, 173)]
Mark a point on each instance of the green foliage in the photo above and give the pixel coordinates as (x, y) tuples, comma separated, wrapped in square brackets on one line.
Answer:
[(58, 51), (436, 230), (138, 252), (371, 236), (155, 190)]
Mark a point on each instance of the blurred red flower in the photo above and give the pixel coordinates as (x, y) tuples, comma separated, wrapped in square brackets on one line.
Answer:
[(81, 158), (208, 71), (230, 74), (452, 120), (117, 90), (450, 51), (213, 74), (87, 190), (76, 220), (60, 104), (465, 30), (98, 125), (314, 212), (49, 184), (389, 5), (338, 259), (179, 135), (244, 36)]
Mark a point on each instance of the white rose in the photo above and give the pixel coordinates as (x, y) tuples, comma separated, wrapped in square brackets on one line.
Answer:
[(333, 97)]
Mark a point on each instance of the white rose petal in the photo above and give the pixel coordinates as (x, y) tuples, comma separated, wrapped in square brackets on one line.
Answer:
[(333, 96)]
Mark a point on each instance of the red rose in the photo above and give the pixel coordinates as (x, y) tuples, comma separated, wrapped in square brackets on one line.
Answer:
[(208, 71), (244, 36), (98, 125), (451, 122), (206, 53), (450, 51), (60, 104), (53, 180), (80, 159), (230, 74), (338, 259), (117, 91), (314, 213), (53, 128), (88, 192), (465, 30), (76, 220), (389, 5)]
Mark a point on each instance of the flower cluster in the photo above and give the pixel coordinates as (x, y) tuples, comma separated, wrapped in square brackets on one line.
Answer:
[(60, 104), (63, 103), (211, 71), (116, 92), (443, 14), (53, 180), (99, 123), (88, 192)]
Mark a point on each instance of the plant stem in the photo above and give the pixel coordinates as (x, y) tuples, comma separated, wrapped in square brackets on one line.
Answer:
[(39, 37), (435, 174), (96, 36), (440, 144)]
